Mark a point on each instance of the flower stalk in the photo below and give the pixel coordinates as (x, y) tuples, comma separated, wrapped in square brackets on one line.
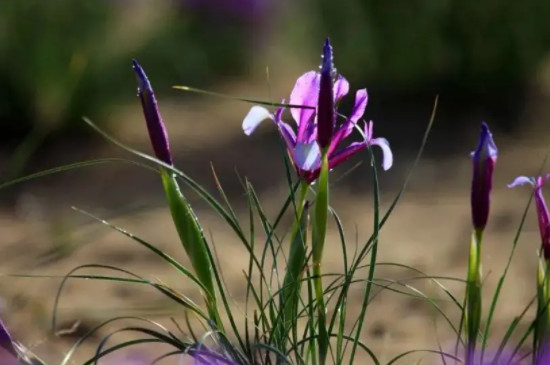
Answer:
[(319, 232), (473, 295), (484, 159), (541, 338), (185, 220), (290, 295)]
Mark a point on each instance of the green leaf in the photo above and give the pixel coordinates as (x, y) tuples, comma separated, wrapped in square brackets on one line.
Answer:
[(192, 239)]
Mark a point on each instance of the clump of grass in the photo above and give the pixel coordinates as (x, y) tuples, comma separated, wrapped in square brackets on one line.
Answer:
[(295, 312)]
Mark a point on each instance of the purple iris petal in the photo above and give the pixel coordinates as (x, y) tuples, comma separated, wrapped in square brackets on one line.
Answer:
[(484, 160), (357, 112), (307, 156), (543, 215), (387, 155), (305, 92), (342, 155), (155, 125), (341, 88), (315, 126), (288, 135), (325, 106), (521, 180), (361, 98), (254, 118)]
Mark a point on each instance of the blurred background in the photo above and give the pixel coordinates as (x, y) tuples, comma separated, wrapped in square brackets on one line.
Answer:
[(61, 60)]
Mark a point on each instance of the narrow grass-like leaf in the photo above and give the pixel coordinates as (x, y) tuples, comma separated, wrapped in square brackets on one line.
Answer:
[(208, 198), (72, 166), (376, 228), (398, 357), (120, 346), (93, 331), (508, 263), (168, 259), (247, 100)]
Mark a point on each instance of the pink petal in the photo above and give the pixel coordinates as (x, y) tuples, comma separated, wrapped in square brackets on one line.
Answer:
[(345, 153), (361, 98), (340, 88), (357, 112), (305, 92)]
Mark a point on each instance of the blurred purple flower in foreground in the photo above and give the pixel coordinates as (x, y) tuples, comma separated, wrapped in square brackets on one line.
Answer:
[(484, 159), (302, 145), (8, 354), (155, 125), (542, 209)]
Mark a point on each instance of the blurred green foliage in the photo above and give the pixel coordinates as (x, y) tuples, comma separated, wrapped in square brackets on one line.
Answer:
[(416, 43), (64, 59)]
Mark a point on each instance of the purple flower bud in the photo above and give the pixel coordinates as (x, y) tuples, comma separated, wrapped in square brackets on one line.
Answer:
[(325, 108), (484, 159), (155, 125)]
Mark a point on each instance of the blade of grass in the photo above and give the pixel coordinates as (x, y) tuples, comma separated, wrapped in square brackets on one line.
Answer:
[(246, 100)]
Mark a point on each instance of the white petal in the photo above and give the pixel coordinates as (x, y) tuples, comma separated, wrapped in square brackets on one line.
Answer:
[(521, 180), (307, 156), (255, 116), (387, 155)]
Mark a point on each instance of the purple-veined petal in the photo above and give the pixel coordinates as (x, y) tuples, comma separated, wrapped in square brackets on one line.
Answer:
[(307, 156), (288, 135), (310, 133), (341, 88), (368, 130), (255, 116), (305, 92), (521, 180), (361, 98), (345, 153), (387, 155), (357, 112)]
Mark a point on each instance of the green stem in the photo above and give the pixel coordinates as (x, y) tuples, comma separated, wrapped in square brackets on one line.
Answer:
[(297, 256), (473, 296), (542, 326), (322, 319), (319, 233)]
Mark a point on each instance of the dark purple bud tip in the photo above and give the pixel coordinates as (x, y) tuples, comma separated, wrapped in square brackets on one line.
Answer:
[(327, 66), (155, 125), (484, 160), (325, 108)]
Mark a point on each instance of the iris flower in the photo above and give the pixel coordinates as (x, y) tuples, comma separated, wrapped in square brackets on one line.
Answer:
[(484, 159), (542, 210), (301, 143)]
